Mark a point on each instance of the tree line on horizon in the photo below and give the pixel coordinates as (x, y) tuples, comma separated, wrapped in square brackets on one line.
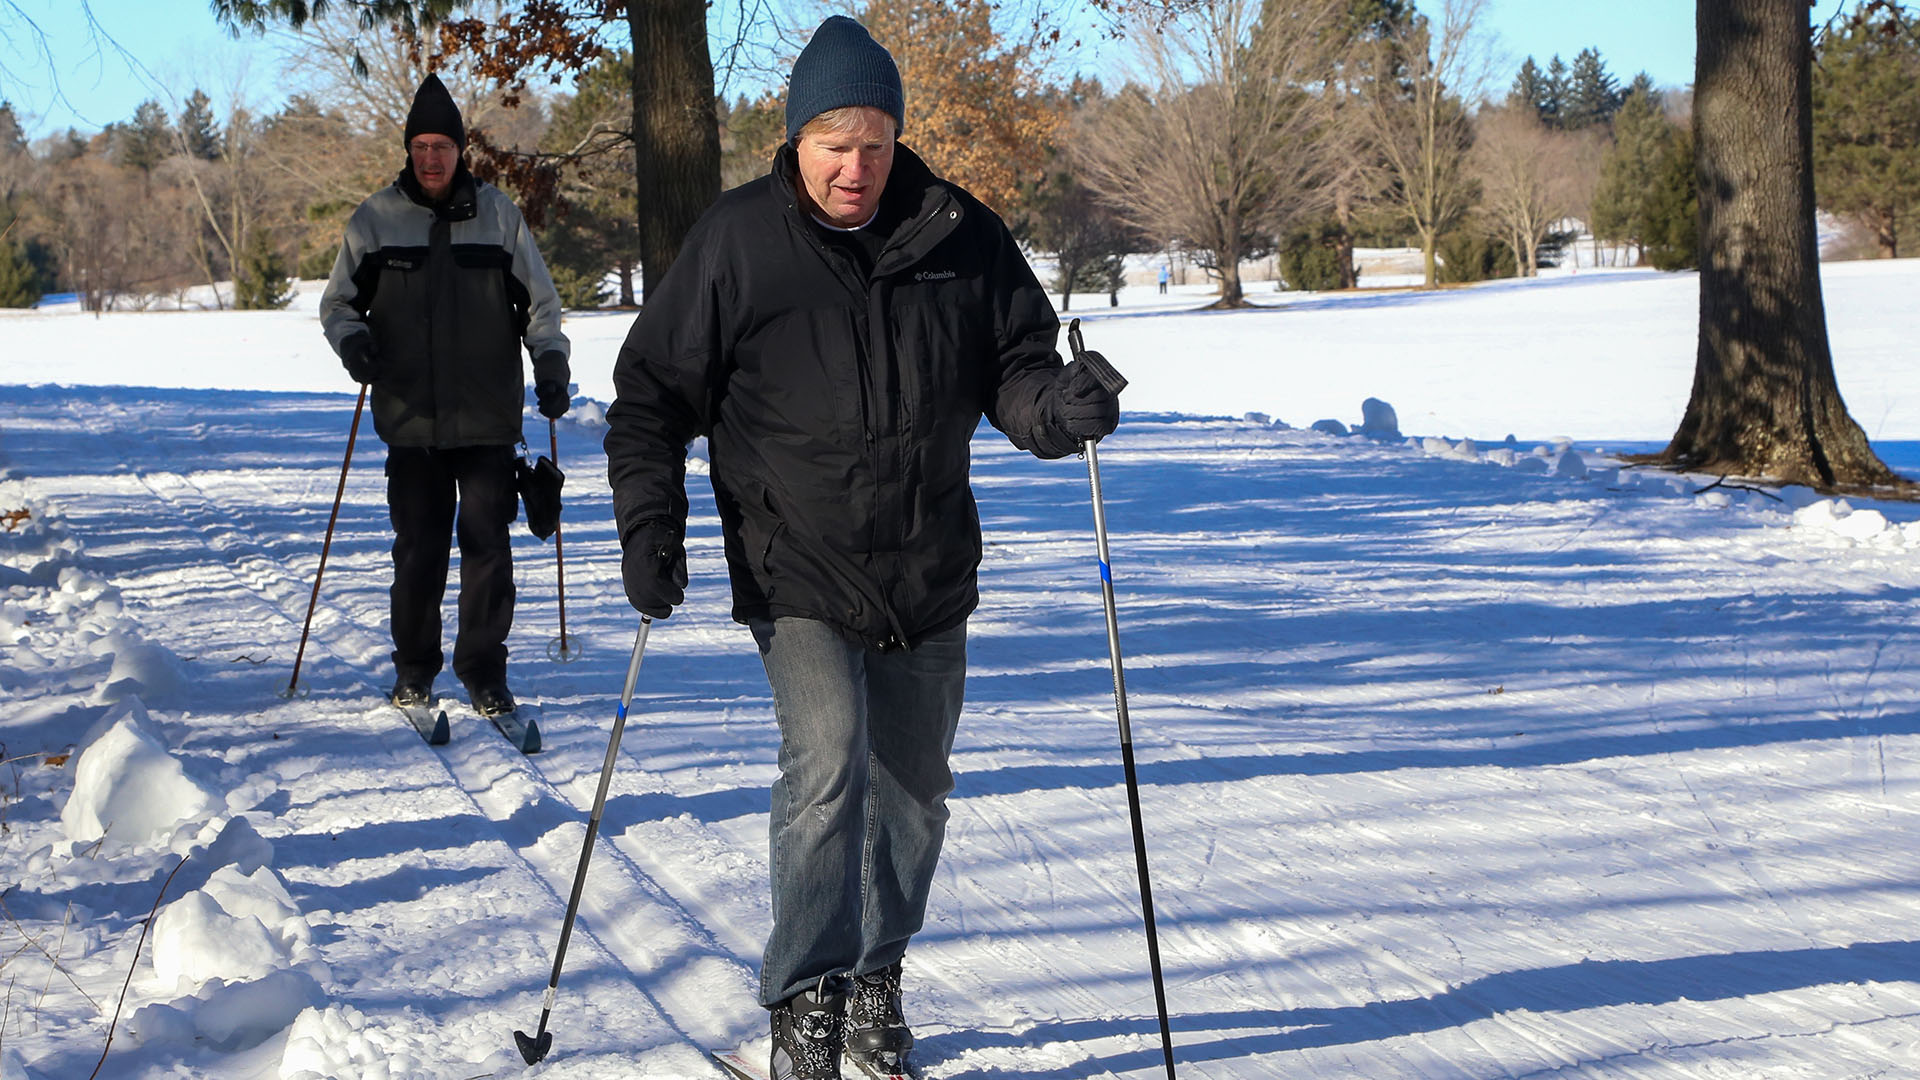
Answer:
[(1297, 129)]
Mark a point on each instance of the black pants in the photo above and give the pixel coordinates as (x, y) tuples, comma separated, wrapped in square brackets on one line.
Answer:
[(422, 486)]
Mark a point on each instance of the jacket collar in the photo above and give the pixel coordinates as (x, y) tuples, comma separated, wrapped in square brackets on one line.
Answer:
[(921, 206), (461, 203)]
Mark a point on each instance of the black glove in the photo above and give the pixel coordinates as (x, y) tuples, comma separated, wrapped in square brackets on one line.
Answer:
[(653, 565), (1086, 409), (361, 358), (552, 398)]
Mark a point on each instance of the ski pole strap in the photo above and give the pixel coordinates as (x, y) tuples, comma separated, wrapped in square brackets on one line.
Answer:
[(1108, 375)]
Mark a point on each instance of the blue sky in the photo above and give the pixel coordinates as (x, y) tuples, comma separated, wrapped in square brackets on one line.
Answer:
[(173, 45)]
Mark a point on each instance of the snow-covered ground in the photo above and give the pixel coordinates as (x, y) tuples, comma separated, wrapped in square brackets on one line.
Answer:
[(1457, 759)]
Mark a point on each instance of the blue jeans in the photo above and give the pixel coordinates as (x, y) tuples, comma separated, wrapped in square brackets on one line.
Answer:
[(860, 807)]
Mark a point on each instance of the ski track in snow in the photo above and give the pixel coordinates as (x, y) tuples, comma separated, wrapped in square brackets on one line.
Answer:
[(1451, 767)]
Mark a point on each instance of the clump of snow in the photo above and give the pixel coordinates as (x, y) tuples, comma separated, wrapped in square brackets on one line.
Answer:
[(1571, 465), (195, 940), (128, 788), (243, 1015), (1378, 420), (335, 1043), (1838, 517), (238, 926), (587, 412), (234, 843), (1259, 418), (1330, 427)]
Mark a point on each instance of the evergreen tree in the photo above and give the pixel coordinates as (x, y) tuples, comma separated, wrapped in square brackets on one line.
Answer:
[(1866, 130), (1530, 89), (146, 141), (260, 281), (19, 279), (596, 230), (1088, 241), (199, 135), (1673, 206), (1629, 174), (1592, 95), (1557, 88), (1310, 258), (12, 139), (1643, 84)]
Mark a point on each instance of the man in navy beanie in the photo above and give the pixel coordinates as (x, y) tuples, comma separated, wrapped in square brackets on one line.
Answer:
[(437, 288), (837, 329)]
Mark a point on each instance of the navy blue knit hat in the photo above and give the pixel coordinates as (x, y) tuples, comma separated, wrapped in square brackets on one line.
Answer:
[(842, 66), (434, 113)]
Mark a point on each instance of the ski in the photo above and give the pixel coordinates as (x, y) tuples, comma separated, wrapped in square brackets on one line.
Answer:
[(431, 723), (876, 1072), (738, 1066), (520, 728)]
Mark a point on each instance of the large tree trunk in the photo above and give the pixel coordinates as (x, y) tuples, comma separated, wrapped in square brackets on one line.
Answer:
[(676, 134), (1764, 402)]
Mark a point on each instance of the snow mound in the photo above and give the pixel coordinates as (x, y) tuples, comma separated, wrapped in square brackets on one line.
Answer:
[(1838, 517), (128, 788), (1379, 421), (233, 843), (335, 1044), (244, 1015), (238, 927), (195, 941)]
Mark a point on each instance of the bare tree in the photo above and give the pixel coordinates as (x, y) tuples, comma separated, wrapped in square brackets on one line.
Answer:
[(1423, 132), (1765, 401), (1527, 176), (1218, 144)]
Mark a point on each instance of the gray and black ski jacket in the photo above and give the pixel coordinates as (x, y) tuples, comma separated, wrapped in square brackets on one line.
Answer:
[(449, 292), (838, 410)]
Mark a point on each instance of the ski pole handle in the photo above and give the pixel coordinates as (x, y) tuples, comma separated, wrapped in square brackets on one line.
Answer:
[(1108, 375)]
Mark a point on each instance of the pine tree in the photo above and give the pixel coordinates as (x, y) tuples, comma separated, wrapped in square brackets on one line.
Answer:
[(1530, 89), (260, 282), (146, 141), (1630, 173), (19, 280), (1557, 88), (596, 230), (1087, 240), (1673, 206), (199, 135), (12, 139), (1866, 130), (1592, 95)]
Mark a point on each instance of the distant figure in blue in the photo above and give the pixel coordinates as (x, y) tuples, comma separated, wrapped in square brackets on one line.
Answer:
[(1163, 279)]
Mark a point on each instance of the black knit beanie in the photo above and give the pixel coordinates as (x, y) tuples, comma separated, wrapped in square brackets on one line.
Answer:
[(842, 66), (434, 113)]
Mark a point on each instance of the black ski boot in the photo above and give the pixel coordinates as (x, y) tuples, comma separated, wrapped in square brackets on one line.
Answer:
[(809, 1031), (412, 694), (878, 1039), (491, 699)]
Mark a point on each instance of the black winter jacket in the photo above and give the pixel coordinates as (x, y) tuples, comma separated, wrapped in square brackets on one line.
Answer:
[(449, 291), (838, 411)]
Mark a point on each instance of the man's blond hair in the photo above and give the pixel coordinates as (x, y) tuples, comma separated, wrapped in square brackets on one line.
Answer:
[(843, 119)]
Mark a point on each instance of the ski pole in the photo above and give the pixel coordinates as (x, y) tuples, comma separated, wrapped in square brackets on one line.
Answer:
[(565, 651), (534, 1048), (353, 432), (1115, 382)]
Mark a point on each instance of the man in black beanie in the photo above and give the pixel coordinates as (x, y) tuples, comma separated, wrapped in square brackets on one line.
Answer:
[(837, 329), (436, 289)]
